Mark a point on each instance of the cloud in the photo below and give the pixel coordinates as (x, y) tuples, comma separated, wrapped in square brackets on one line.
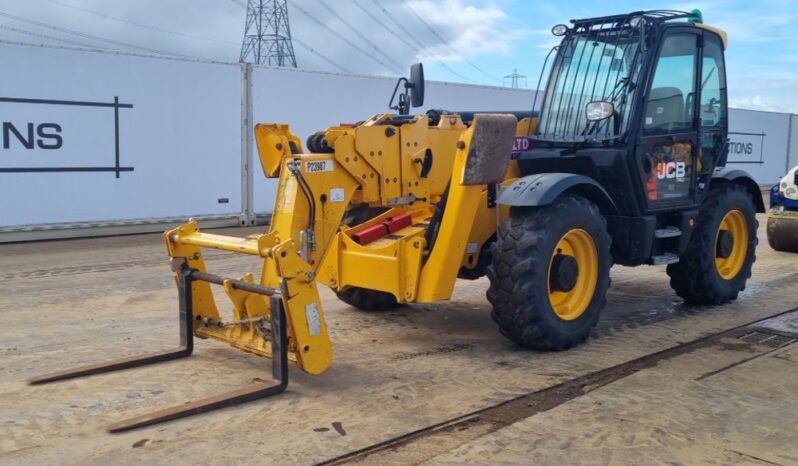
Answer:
[(768, 104), (470, 30)]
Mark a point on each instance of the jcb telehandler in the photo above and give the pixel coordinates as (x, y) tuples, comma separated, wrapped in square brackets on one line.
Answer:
[(623, 163)]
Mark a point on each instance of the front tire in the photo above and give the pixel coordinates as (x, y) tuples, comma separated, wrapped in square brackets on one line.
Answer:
[(722, 249), (549, 273), (368, 300)]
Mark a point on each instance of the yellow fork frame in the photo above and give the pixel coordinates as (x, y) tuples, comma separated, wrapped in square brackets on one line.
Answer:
[(305, 240)]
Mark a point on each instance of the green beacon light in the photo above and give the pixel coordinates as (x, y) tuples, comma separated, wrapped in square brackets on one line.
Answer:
[(695, 16)]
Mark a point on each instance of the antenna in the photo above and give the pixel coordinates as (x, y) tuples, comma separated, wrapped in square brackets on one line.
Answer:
[(267, 34), (514, 78)]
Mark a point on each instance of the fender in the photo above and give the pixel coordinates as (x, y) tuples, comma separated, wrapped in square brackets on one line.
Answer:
[(544, 188), (735, 175)]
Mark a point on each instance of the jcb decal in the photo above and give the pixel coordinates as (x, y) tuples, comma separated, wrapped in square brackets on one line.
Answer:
[(670, 170)]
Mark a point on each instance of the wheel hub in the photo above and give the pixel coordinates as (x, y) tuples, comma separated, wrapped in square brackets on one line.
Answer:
[(564, 272), (725, 244)]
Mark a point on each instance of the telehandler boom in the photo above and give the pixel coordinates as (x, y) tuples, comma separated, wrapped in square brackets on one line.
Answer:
[(624, 163)]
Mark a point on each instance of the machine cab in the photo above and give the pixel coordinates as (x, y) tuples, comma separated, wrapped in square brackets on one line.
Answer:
[(651, 88)]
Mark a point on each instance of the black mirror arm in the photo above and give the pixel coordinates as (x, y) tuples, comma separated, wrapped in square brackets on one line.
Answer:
[(401, 105)]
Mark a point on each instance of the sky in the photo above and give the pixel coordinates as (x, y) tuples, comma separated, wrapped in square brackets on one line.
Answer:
[(472, 41)]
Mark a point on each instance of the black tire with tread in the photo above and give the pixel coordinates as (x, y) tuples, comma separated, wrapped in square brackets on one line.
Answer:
[(368, 300), (519, 267), (695, 277), (782, 234)]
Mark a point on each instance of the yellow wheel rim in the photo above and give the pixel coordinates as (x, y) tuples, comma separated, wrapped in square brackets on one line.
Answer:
[(569, 305), (733, 222)]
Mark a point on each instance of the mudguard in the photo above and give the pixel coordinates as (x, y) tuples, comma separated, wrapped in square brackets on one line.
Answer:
[(741, 177), (542, 189)]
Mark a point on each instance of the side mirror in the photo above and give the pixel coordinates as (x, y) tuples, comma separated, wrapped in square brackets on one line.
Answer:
[(413, 93), (416, 85), (599, 110)]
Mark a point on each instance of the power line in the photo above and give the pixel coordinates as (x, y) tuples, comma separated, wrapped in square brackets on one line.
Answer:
[(446, 43), (91, 37), (320, 55), (359, 34), (421, 47), (45, 36), (344, 39), (141, 25), (388, 28)]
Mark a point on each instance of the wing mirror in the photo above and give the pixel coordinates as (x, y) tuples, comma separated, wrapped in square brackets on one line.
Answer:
[(413, 94), (416, 85), (600, 110)]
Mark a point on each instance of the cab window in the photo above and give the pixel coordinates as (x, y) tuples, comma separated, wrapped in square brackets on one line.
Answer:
[(669, 108), (713, 103)]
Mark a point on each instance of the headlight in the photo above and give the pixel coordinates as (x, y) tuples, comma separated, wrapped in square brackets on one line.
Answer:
[(599, 110), (559, 30)]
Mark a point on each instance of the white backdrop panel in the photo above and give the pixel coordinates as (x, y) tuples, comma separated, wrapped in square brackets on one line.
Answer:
[(178, 129), (758, 143), (312, 101)]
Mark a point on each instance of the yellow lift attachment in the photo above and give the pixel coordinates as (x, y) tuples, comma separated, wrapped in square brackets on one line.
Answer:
[(377, 163)]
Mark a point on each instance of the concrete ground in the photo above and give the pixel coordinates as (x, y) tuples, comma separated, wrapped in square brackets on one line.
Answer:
[(658, 382)]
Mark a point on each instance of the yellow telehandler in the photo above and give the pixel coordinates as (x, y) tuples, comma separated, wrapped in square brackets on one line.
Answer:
[(623, 163)]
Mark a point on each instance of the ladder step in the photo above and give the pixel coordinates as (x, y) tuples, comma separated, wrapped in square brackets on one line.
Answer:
[(666, 258), (667, 232)]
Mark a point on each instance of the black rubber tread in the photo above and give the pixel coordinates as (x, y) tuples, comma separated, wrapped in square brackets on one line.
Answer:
[(695, 277), (518, 273), (368, 300), (783, 234)]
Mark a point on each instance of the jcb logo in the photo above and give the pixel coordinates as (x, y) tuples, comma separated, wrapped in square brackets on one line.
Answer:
[(670, 170)]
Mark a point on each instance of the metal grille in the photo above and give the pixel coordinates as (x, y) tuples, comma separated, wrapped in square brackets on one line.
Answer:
[(767, 339)]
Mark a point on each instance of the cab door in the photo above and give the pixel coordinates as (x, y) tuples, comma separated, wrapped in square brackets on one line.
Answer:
[(668, 141)]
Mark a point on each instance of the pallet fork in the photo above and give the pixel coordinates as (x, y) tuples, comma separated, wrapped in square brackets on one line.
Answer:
[(186, 278)]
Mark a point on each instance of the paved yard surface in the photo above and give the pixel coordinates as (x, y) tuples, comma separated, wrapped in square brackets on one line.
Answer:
[(422, 383)]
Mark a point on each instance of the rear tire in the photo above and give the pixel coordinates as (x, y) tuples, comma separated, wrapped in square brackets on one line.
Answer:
[(702, 275), (527, 292), (368, 300)]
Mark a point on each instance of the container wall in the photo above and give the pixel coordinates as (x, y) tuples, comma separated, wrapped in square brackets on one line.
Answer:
[(103, 137), (758, 143), (110, 138)]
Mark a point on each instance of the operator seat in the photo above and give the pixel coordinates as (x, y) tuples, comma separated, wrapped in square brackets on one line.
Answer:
[(664, 110)]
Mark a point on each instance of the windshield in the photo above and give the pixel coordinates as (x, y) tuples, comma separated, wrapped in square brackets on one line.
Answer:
[(590, 66)]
